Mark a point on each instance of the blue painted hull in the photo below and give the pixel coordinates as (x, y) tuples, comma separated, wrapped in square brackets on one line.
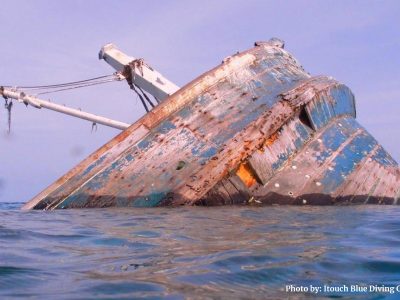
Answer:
[(255, 130)]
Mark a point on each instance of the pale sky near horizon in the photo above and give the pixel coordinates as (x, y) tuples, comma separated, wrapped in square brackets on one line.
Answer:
[(46, 42)]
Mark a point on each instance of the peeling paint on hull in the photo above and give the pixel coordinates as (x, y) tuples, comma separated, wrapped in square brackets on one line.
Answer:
[(255, 130)]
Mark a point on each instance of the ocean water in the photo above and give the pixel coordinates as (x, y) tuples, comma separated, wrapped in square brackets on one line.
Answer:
[(200, 253)]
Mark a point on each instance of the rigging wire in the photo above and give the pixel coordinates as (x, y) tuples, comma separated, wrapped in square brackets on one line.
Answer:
[(72, 83), (141, 97), (75, 87), (145, 96), (158, 101)]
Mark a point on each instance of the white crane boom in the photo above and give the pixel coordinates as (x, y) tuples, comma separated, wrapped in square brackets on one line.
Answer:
[(138, 73), (39, 103)]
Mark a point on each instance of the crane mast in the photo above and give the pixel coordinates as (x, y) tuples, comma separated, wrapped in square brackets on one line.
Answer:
[(137, 73)]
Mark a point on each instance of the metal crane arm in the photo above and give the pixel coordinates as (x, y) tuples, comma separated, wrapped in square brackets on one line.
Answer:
[(39, 103), (137, 72)]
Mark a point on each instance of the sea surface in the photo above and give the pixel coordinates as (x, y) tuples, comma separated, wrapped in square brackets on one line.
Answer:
[(200, 253)]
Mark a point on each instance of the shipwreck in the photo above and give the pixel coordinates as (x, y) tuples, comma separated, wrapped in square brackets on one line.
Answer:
[(257, 129)]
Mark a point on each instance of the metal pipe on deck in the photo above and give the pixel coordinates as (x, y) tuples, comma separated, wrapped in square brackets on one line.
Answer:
[(39, 103)]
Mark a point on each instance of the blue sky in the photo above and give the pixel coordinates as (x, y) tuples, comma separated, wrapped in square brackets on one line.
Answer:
[(46, 42)]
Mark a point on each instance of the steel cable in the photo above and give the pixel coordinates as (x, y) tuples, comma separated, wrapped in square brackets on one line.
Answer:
[(76, 87), (68, 85)]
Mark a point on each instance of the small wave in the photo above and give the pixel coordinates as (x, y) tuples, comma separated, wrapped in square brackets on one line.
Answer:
[(236, 252)]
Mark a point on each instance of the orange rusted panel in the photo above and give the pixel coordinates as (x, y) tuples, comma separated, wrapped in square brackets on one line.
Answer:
[(246, 174)]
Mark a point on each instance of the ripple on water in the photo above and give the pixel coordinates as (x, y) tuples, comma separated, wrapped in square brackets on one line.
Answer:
[(232, 252), (125, 289), (146, 234)]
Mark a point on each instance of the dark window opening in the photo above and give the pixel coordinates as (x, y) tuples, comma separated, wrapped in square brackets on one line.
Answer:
[(303, 116)]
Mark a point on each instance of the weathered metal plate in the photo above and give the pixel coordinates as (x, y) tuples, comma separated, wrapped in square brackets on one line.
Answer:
[(259, 108)]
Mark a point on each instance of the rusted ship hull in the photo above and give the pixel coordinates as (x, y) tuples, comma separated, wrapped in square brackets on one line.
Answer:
[(256, 129)]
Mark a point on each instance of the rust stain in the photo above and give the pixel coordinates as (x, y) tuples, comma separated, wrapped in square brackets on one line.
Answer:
[(272, 139)]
